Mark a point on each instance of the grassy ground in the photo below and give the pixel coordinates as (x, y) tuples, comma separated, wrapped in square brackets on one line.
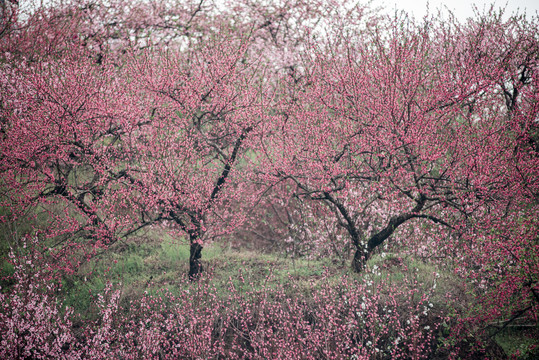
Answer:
[(154, 261)]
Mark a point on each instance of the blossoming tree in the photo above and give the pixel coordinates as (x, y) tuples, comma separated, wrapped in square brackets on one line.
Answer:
[(108, 146), (409, 121)]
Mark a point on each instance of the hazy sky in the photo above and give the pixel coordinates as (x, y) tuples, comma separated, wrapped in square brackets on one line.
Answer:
[(461, 8)]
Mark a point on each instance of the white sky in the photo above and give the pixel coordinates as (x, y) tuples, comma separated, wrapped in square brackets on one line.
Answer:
[(461, 8), (418, 8)]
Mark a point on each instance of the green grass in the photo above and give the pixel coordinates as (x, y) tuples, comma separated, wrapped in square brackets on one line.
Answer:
[(154, 260), (519, 341)]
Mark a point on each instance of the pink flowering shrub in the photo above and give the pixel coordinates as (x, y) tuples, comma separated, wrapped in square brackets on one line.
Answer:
[(358, 318), (349, 319), (32, 325)]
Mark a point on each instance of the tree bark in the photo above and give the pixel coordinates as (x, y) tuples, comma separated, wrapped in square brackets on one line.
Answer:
[(362, 255), (195, 265)]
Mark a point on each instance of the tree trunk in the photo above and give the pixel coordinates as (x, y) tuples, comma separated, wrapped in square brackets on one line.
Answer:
[(195, 265), (361, 256)]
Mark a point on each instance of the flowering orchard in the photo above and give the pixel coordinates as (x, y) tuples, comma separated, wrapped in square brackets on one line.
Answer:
[(324, 128)]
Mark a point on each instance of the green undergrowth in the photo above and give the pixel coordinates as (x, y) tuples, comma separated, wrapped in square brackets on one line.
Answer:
[(154, 261), (519, 342)]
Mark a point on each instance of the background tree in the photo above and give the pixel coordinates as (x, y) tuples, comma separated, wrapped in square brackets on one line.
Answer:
[(109, 149), (403, 121), (204, 104)]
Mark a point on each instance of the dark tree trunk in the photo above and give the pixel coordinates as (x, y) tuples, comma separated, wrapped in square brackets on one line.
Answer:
[(362, 255), (195, 265)]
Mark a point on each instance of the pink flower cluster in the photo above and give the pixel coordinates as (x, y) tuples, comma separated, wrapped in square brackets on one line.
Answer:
[(345, 318)]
